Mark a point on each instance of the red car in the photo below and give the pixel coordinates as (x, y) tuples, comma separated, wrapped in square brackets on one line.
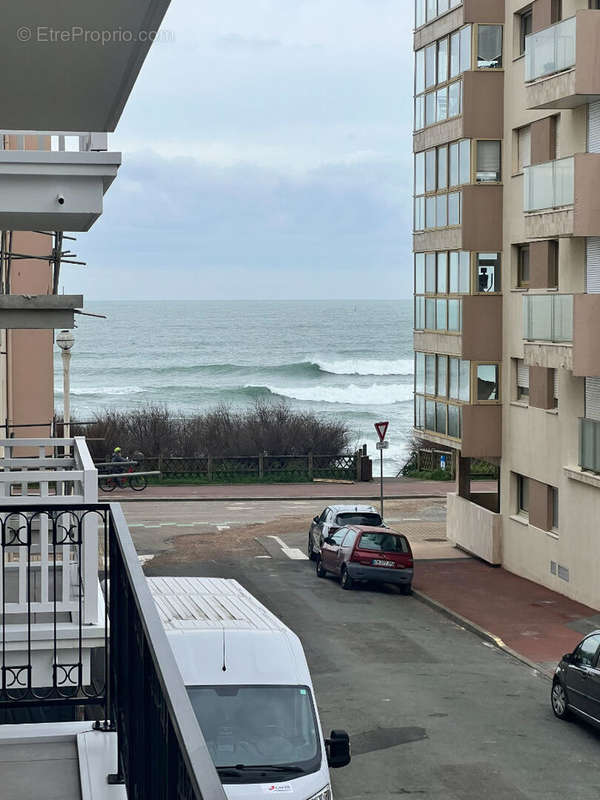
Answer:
[(364, 553)]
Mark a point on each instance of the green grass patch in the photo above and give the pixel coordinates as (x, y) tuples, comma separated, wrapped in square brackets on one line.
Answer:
[(430, 475)]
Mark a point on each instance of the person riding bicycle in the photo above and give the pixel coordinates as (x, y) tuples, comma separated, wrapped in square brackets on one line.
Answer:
[(118, 457)]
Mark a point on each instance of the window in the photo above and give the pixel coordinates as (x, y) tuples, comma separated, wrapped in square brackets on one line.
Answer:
[(460, 162), (442, 273), (442, 159), (454, 54), (523, 265), (441, 314), (453, 369), (522, 495), (489, 47), (430, 66), (419, 273), (488, 162), (420, 173), (419, 313), (430, 374), (441, 104), (488, 272), (464, 393), (442, 376), (454, 201), (556, 11), (487, 382), (419, 412), (523, 148), (442, 61), (420, 372), (338, 536), (419, 213), (585, 653), (440, 418), (454, 315), (430, 272), (430, 174), (553, 264), (420, 71), (522, 381), (555, 387), (525, 27), (465, 48), (419, 113), (441, 211), (429, 314), (454, 99), (430, 415), (554, 501)]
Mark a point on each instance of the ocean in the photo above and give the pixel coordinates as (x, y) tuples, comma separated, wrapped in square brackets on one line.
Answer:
[(350, 360)]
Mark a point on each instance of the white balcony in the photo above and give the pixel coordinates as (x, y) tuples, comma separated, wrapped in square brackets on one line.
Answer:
[(53, 180), (474, 528)]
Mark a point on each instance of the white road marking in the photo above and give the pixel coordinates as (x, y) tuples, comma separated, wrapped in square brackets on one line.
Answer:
[(223, 527), (291, 552), (262, 556)]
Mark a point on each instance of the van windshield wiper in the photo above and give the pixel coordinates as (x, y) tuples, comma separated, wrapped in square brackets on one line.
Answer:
[(239, 768)]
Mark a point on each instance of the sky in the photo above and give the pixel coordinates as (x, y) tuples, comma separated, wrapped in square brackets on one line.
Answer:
[(267, 154)]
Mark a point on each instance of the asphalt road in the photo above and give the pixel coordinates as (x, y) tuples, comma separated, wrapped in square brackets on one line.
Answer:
[(431, 709)]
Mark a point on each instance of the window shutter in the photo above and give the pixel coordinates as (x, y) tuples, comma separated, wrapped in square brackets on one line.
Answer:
[(522, 374), (592, 272), (594, 128), (488, 160), (556, 384), (524, 147), (592, 398)]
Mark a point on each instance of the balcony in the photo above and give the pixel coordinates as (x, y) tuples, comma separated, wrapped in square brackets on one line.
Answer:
[(53, 181), (560, 63), (146, 734), (475, 430), (474, 528), (548, 330), (42, 312), (561, 197)]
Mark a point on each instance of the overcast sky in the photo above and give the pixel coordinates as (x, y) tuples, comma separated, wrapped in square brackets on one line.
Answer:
[(266, 154)]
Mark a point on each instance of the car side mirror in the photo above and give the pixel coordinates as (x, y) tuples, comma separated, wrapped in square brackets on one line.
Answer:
[(338, 749), (315, 519), (568, 658)]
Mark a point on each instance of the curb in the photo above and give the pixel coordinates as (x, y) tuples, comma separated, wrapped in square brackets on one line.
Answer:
[(328, 498), (482, 632)]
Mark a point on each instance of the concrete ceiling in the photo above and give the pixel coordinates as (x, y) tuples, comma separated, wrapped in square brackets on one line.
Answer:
[(54, 80)]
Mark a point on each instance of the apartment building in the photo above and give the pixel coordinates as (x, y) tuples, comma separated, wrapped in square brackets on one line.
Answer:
[(507, 276)]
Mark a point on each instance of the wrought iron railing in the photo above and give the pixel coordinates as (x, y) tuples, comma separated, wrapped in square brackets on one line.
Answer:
[(135, 688)]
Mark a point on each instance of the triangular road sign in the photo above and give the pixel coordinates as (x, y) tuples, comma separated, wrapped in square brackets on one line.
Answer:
[(381, 428)]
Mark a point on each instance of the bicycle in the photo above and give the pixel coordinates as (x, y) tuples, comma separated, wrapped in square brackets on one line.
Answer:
[(136, 482)]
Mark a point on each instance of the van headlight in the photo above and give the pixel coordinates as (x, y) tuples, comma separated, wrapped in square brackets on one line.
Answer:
[(324, 794)]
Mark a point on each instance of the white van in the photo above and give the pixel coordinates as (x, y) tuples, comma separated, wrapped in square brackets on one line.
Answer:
[(248, 680)]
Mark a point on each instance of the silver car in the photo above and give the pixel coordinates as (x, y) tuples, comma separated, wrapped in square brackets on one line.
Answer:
[(333, 518)]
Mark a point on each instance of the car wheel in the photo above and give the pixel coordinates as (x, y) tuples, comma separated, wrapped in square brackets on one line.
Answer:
[(310, 549), (559, 701), (345, 579), (321, 571), (406, 588)]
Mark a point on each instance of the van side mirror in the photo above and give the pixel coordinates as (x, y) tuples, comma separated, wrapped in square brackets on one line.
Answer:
[(568, 658), (316, 519), (338, 749)]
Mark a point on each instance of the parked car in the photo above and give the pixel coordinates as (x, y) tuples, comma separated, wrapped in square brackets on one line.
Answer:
[(367, 553), (576, 684), (333, 518)]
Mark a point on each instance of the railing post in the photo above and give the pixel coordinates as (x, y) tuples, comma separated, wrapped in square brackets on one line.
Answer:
[(209, 468), (261, 465), (89, 549), (419, 460), (160, 466), (310, 466)]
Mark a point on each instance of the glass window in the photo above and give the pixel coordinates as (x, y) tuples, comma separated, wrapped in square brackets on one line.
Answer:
[(464, 280), (430, 212), (454, 208), (419, 412), (420, 71), (419, 313), (419, 213), (454, 273), (429, 374), (443, 6), (454, 92), (430, 66), (429, 314), (442, 376), (454, 421), (420, 173), (487, 382), (430, 108), (419, 112), (489, 47), (442, 61), (488, 272), (526, 26), (420, 372), (419, 13), (465, 161), (464, 381), (430, 415), (522, 494), (488, 162), (454, 315), (440, 417), (441, 211), (442, 273), (454, 54), (524, 147), (554, 498), (442, 162), (430, 271), (441, 314), (430, 176), (465, 48), (453, 371), (419, 273), (454, 160), (523, 265), (441, 99), (431, 9), (585, 654)]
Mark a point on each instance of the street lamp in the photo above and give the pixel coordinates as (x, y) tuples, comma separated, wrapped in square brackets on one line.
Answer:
[(65, 340)]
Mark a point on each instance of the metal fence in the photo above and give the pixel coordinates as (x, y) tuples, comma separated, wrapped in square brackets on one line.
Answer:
[(138, 690), (232, 469)]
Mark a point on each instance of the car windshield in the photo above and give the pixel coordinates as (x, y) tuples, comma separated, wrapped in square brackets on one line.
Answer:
[(385, 542), (249, 727), (359, 518)]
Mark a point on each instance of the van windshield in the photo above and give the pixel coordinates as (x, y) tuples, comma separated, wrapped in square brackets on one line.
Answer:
[(255, 733), (359, 518)]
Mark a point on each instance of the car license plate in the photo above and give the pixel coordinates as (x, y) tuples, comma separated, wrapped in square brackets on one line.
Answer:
[(379, 562)]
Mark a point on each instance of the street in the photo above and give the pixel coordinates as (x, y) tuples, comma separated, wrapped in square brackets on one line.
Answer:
[(431, 709)]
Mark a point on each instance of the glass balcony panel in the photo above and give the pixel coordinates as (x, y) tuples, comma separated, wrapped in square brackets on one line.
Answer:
[(430, 415), (563, 318), (564, 182), (454, 315), (548, 318), (440, 418), (551, 50), (454, 421), (549, 185)]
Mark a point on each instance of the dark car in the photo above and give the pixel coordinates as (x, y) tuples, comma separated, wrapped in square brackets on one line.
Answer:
[(358, 553), (333, 518), (576, 683)]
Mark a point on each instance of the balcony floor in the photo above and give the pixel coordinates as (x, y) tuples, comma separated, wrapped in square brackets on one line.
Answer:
[(32, 770)]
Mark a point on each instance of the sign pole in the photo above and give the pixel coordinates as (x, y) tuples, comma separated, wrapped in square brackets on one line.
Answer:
[(381, 481), (381, 428)]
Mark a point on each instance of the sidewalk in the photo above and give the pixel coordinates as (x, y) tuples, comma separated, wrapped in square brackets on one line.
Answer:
[(395, 489), (538, 625)]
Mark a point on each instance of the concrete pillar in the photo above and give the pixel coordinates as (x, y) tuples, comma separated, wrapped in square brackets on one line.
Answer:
[(463, 480)]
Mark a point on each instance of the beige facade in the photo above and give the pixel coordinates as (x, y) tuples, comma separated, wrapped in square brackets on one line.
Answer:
[(524, 375)]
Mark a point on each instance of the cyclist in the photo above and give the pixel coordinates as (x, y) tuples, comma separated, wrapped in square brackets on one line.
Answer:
[(117, 458)]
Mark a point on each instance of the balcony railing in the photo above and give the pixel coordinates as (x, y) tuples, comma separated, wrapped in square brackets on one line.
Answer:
[(548, 317), (53, 141), (549, 185), (137, 689), (589, 444), (551, 50)]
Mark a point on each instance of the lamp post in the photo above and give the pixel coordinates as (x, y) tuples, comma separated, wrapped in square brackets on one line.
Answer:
[(65, 340)]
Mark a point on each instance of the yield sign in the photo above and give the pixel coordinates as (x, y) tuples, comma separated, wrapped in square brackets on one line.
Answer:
[(381, 428)]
